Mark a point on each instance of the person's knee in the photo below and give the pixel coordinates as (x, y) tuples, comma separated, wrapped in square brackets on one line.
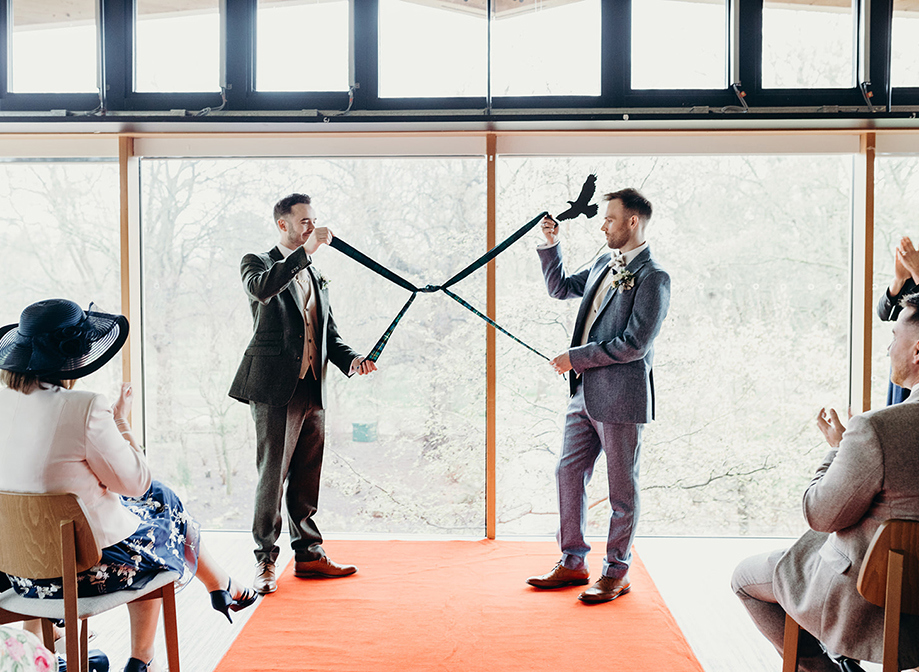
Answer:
[(748, 571), (738, 582)]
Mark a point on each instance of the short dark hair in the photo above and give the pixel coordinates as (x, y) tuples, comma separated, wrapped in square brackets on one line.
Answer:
[(911, 301), (633, 201), (27, 382), (283, 207)]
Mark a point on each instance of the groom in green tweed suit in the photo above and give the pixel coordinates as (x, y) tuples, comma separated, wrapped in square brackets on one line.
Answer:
[(282, 378)]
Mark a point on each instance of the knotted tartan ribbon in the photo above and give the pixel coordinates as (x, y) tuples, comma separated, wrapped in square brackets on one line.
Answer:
[(378, 268)]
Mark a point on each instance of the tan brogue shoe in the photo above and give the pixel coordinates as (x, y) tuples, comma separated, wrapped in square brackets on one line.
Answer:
[(265, 579), (323, 568), (561, 576), (606, 589)]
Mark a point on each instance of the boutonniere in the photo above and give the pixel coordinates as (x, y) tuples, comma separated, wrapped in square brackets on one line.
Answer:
[(321, 280), (623, 279)]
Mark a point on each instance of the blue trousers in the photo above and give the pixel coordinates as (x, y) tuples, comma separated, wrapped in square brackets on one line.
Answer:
[(584, 440)]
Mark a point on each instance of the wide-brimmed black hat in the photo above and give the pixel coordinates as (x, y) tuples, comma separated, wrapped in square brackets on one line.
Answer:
[(56, 339)]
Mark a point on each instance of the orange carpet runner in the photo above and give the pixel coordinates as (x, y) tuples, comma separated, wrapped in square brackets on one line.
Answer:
[(455, 606)]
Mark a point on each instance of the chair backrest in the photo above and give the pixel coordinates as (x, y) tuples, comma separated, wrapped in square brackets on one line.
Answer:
[(30, 534), (893, 535)]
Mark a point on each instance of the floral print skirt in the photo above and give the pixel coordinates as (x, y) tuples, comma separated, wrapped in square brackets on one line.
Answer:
[(166, 539)]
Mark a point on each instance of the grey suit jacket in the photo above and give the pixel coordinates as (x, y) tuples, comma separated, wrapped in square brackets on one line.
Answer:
[(270, 366), (616, 360), (873, 476)]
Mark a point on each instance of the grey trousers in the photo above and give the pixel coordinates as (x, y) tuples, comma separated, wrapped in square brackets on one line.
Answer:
[(584, 440), (290, 441), (752, 583)]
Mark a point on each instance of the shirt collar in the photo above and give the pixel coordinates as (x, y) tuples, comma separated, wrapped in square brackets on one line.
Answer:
[(629, 256)]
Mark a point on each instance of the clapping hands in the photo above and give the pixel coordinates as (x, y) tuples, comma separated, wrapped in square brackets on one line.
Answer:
[(121, 409), (831, 426), (906, 261)]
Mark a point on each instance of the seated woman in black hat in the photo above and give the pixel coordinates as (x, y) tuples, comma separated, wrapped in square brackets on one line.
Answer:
[(57, 439)]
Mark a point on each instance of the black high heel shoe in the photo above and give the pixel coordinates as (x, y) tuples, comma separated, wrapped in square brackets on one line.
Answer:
[(223, 601)]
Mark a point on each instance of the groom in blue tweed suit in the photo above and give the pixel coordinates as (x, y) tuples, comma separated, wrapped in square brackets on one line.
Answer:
[(624, 299)]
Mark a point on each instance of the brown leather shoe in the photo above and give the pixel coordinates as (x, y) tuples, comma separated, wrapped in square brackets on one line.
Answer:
[(605, 590), (561, 576), (265, 579), (323, 568)]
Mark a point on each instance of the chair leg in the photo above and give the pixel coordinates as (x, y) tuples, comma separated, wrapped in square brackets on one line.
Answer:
[(84, 645), (47, 634), (72, 633), (790, 645), (170, 627), (892, 603)]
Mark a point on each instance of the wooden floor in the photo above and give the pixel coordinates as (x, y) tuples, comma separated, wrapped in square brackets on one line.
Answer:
[(692, 574)]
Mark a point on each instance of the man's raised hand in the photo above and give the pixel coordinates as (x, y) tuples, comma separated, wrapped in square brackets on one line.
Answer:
[(321, 235), (549, 229), (830, 426)]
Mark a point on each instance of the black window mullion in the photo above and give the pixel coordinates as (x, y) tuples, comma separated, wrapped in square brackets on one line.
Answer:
[(239, 46), (118, 60), (5, 27), (365, 46), (750, 47), (615, 51), (881, 31)]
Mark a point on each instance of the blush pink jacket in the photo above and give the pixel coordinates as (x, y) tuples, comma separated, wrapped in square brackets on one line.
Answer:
[(59, 440)]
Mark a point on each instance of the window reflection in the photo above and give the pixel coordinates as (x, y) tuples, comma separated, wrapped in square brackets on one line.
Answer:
[(904, 65), (808, 46), (302, 45), (53, 51), (432, 49), (543, 48), (678, 44), (176, 50)]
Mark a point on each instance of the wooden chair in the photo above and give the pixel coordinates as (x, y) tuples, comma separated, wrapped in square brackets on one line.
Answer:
[(889, 578), (44, 536)]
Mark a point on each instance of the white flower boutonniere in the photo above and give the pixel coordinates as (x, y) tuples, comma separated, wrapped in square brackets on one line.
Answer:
[(624, 280), (321, 280)]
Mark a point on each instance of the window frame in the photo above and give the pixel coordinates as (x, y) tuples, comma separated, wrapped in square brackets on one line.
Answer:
[(245, 104)]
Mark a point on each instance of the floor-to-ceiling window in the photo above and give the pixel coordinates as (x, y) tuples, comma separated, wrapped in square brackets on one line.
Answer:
[(60, 236), (405, 450), (755, 235), (897, 198), (756, 340)]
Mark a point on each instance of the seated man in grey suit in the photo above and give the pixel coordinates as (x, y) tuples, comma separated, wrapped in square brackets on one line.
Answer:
[(624, 298), (870, 475)]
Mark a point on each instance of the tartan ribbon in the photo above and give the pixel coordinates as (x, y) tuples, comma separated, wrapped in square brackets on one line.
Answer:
[(490, 321), (384, 339), (395, 278)]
